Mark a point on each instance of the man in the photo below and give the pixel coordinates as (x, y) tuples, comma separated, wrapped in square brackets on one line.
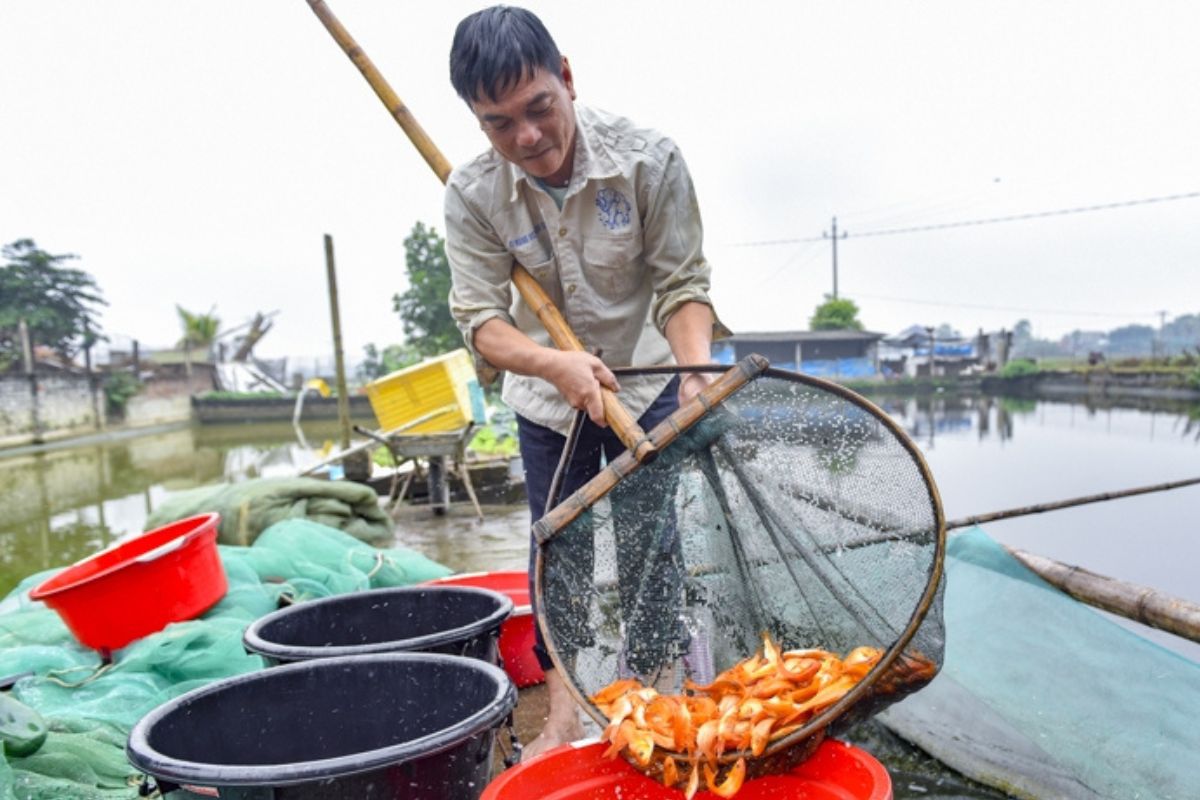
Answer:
[(604, 216)]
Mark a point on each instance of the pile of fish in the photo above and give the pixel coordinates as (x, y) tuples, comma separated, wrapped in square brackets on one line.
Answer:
[(758, 700)]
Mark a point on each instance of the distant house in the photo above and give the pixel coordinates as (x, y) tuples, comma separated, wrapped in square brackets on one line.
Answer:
[(909, 353), (826, 354)]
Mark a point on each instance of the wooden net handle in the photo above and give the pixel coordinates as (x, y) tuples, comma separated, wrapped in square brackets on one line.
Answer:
[(618, 417)]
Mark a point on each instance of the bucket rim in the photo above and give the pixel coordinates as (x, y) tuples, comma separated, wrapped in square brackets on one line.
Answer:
[(143, 756), (833, 755), (254, 641), (192, 528), (463, 579)]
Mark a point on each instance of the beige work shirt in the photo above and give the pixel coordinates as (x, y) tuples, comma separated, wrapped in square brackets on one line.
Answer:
[(618, 259)]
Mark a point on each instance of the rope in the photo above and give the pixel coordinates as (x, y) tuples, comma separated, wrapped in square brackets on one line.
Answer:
[(99, 670), (380, 559)]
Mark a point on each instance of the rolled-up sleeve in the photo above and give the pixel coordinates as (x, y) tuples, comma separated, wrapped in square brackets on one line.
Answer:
[(480, 270), (673, 241)]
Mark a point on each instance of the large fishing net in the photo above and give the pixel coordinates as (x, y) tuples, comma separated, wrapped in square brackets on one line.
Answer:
[(784, 548)]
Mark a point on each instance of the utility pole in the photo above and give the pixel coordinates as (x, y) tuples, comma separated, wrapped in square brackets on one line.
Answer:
[(343, 398), (929, 329), (355, 466), (26, 346), (1161, 346), (834, 237)]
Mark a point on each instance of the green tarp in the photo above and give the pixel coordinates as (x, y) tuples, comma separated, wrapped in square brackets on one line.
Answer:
[(1041, 696), (90, 709)]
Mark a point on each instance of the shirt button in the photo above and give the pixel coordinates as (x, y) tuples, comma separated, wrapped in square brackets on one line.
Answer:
[(571, 289), (562, 231)]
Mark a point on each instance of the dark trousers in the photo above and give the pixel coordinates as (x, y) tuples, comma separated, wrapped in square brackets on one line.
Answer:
[(648, 558)]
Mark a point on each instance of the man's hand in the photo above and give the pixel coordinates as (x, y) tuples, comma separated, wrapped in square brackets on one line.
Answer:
[(578, 377), (692, 383)]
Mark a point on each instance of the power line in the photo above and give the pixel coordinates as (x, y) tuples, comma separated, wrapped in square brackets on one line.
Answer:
[(1017, 309), (790, 260), (1058, 212)]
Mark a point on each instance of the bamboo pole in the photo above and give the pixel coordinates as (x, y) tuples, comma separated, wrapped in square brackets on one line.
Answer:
[(618, 417), (1130, 600), (395, 106), (1074, 501)]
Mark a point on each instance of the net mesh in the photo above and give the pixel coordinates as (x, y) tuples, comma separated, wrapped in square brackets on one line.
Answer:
[(794, 509)]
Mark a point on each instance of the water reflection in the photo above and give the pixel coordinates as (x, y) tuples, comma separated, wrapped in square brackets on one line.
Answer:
[(988, 416), (65, 504)]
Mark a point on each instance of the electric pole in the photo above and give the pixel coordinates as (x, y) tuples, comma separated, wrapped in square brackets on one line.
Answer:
[(1161, 346), (834, 237)]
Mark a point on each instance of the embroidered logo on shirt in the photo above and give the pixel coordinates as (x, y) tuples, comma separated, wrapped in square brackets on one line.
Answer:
[(526, 238), (614, 209)]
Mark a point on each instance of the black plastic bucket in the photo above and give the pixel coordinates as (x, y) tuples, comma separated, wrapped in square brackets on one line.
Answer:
[(392, 726), (456, 620)]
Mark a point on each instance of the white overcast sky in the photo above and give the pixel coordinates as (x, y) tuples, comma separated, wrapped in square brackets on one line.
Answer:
[(196, 152)]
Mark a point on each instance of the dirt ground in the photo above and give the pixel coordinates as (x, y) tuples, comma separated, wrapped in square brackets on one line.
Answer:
[(528, 718), (465, 543)]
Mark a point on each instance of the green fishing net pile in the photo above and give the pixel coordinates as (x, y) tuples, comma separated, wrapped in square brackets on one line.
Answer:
[(248, 508), (89, 708)]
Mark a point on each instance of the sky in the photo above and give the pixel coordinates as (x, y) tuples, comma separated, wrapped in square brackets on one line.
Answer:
[(196, 153)]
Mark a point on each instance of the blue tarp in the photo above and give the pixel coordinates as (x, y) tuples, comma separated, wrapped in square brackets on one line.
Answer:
[(840, 368)]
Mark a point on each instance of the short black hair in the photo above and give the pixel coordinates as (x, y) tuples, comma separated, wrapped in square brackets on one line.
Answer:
[(497, 48)]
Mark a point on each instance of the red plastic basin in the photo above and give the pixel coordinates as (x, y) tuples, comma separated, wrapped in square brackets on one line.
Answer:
[(837, 771), (138, 587), (517, 632)]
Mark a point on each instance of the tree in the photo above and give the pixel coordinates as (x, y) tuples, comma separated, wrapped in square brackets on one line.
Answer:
[(1182, 334), (1131, 340), (59, 304), (423, 307), (378, 363), (836, 314), (199, 330), (1022, 331)]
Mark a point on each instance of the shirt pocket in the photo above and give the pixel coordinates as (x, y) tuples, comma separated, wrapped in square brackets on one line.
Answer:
[(614, 265), (537, 260)]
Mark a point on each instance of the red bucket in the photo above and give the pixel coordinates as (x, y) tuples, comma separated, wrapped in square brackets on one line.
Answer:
[(517, 632), (837, 771), (138, 587)]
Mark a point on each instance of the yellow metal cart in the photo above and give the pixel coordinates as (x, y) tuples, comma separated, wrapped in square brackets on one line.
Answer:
[(428, 413)]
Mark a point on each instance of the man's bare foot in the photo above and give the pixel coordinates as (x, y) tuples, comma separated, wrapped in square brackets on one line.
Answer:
[(562, 721), (551, 737)]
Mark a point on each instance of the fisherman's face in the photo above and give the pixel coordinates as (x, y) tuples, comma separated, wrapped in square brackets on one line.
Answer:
[(532, 124)]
